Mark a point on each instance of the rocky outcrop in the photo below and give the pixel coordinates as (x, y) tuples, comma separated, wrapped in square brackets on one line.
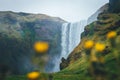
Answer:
[(93, 17), (19, 31), (114, 6), (63, 64)]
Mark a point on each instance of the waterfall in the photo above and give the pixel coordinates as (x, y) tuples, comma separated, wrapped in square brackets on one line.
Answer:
[(71, 33), (65, 37), (70, 38)]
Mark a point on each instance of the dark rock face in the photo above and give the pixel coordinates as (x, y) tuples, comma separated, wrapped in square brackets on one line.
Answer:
[(19, 31), (64, 64), (114, 6), (93, 17)]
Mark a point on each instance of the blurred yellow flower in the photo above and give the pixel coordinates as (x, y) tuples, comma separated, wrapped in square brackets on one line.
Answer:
[(111, 34), (33, 75), (88, 44), (99, 47), (41, 47)]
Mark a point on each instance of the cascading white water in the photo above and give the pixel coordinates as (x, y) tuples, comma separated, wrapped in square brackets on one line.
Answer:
[(64, 49), (70, 38), (64, 36), (71, 33)]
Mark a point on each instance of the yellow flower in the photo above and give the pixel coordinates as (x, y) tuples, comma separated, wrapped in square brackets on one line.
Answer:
[(33, 75), (99, 47), (111, 34), (41, 47), (88, 44)]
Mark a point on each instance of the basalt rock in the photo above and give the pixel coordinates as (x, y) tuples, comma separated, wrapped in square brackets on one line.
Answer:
[(114, 6)]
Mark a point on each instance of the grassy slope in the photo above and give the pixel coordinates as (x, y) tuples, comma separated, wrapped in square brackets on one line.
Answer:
[(78, 69)]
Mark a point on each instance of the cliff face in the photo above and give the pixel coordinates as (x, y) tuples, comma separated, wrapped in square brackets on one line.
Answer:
[(113, 6), (93, 17), (18, 32)]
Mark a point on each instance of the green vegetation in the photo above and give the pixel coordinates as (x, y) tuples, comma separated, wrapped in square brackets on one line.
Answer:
[(97, 32)]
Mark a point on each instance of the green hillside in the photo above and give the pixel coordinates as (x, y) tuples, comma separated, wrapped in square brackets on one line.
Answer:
[(108, 61)]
